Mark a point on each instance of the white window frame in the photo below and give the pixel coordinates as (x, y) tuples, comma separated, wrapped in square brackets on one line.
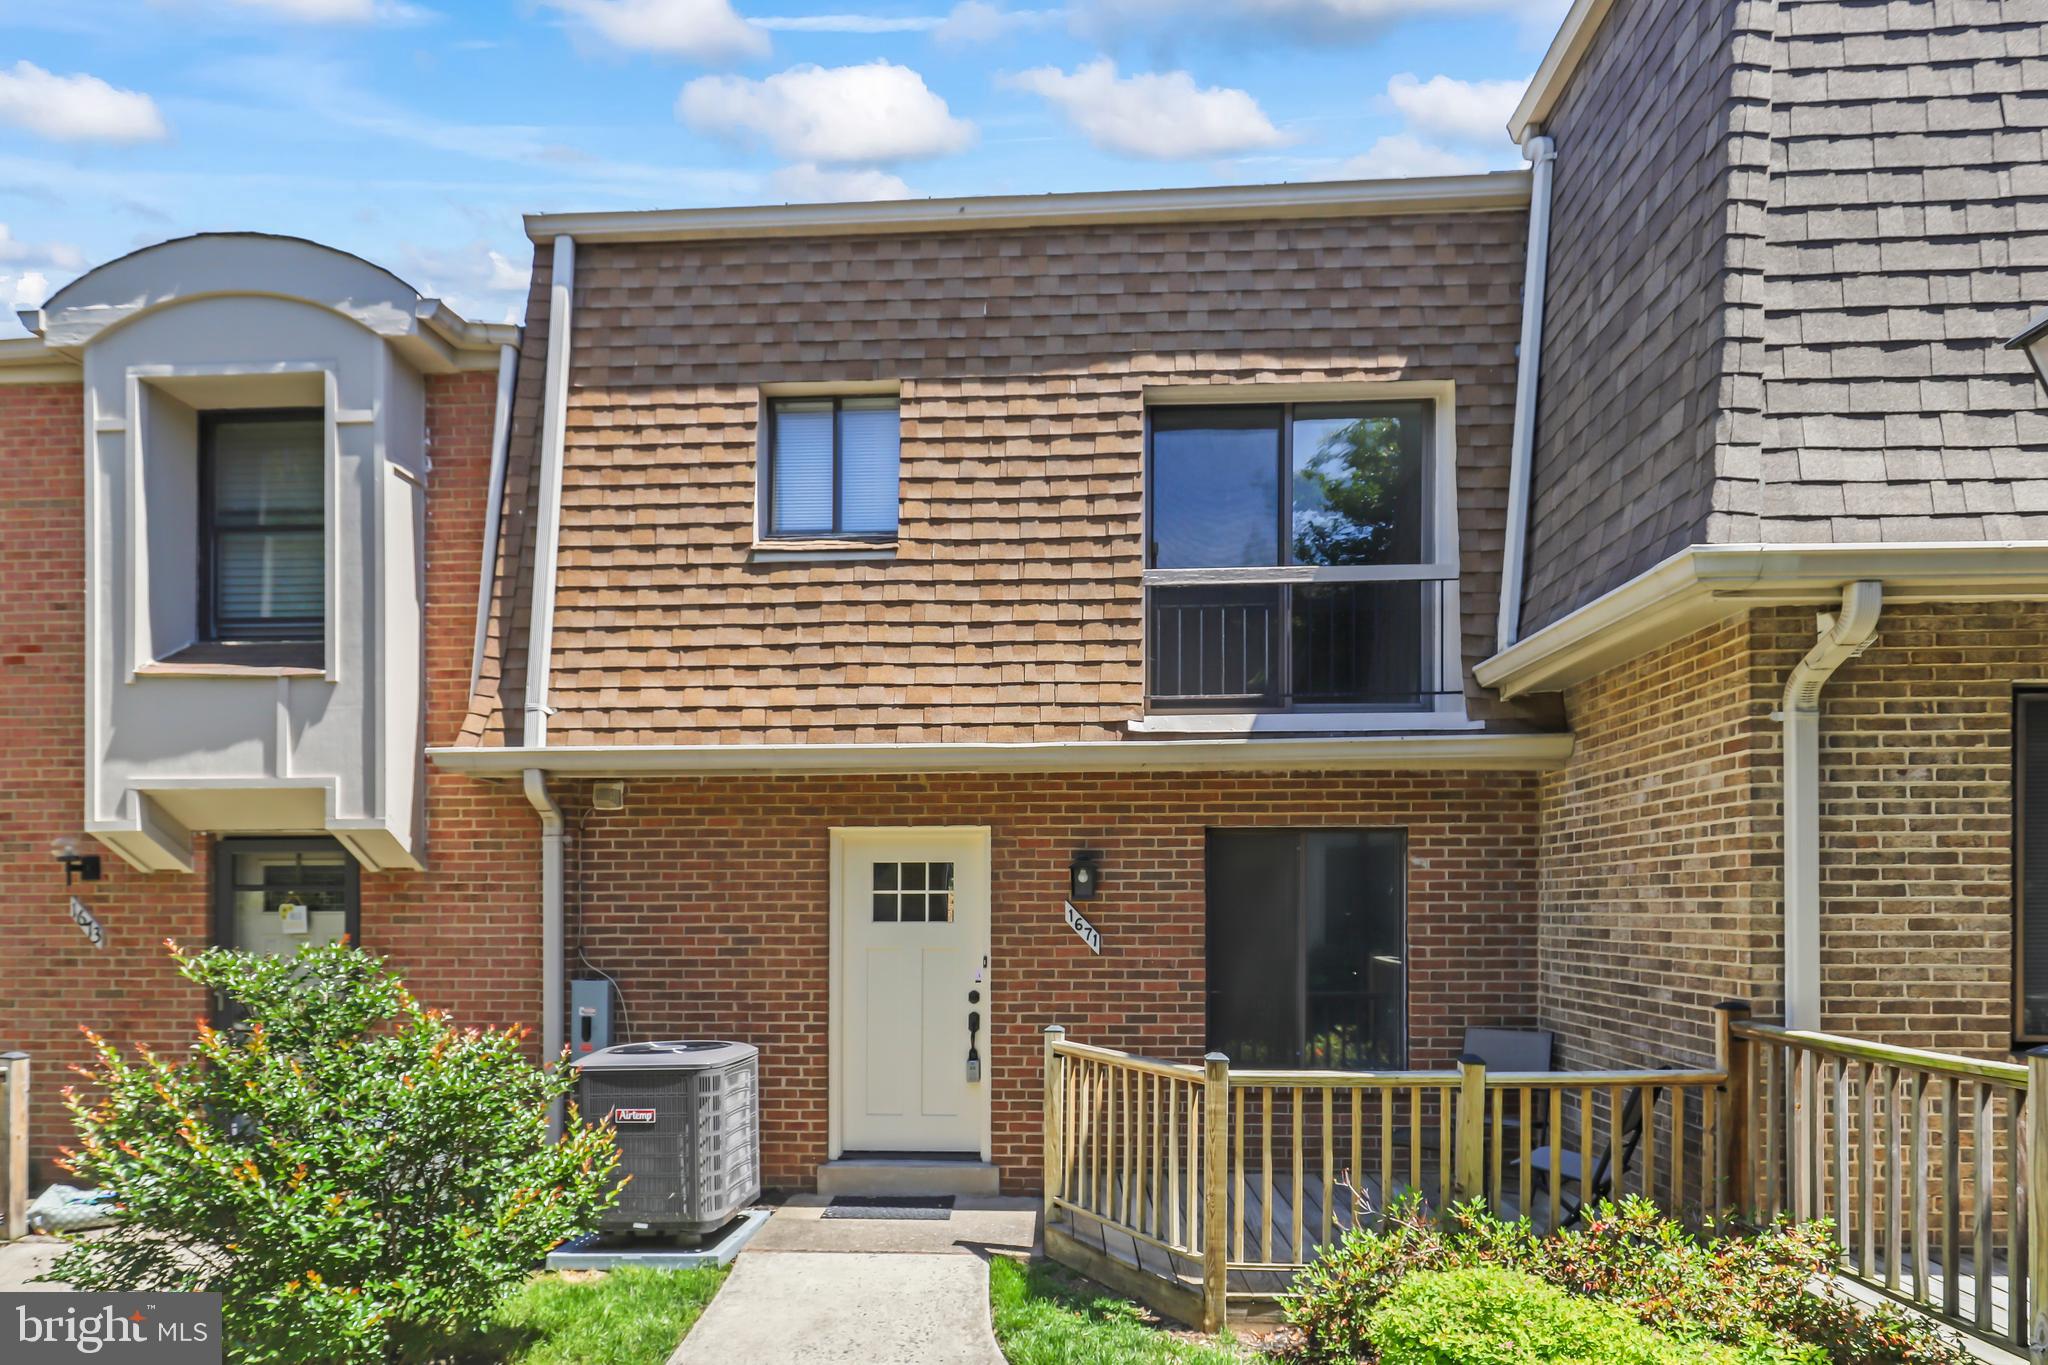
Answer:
[(1447, 711)]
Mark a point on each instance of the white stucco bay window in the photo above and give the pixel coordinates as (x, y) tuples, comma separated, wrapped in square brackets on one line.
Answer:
[(255, 410)]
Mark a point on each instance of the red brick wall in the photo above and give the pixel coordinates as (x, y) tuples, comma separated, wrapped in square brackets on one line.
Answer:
[(709, 901), (466, 932)]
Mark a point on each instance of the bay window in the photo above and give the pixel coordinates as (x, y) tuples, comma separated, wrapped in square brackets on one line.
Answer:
[(1294, 557)]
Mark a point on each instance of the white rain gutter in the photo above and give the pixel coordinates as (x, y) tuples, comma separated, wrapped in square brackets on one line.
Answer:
[(501, 437), (1842, 638), (551, 1015), (554, 425), (1542, 154)]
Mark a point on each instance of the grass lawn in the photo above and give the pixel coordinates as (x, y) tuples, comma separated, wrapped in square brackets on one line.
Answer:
[(1047, 1316), (630, 1316)]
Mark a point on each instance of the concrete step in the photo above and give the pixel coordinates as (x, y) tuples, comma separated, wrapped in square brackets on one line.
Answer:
[(907, 1175)]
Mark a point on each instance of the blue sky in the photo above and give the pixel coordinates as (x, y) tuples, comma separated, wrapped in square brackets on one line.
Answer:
[(415, 132)]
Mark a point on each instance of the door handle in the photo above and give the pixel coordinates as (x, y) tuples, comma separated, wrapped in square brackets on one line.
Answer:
[(973, 1052)]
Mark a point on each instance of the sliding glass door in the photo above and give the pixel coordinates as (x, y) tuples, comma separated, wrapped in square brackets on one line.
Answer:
[(1307, 947)]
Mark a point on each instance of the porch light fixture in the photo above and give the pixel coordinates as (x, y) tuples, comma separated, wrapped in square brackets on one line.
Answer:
[(1083, 876), (79, 866), (2034, 341)]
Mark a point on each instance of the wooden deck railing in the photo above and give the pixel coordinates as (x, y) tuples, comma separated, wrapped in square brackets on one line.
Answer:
[(1920, 1159), (1200, 1188), (1197, 1187)]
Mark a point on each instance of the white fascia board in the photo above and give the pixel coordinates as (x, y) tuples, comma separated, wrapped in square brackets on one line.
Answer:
[(1567, 49), (1530, 752), (1314, 199), (26, 360), (1703, 584)]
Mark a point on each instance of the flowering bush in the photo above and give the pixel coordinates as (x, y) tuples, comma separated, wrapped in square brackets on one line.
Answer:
[(353, 1175), (1766, 1293)]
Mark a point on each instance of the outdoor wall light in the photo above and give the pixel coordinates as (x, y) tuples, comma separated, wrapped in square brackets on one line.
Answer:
[(2034, 341), (1083, 876), (83, 866)]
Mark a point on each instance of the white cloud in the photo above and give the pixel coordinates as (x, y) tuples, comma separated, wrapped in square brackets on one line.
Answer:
[(978, 21), (60, 255), (1163, 115), (849, 23), (504, 275), (477, 281), (808, 184), (1467, 111), (24, 289), (840, 115), (1404, 154), (701, 30), (78, 108), (338, 11)]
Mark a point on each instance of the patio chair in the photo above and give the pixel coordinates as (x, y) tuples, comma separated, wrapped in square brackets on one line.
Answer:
[(1575, 1192), (1515, 1049)]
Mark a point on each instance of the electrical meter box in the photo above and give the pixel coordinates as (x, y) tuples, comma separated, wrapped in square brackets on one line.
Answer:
[(590, 1016)]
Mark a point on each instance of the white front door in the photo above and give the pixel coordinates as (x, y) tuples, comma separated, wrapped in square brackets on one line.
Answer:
[(911, 921)]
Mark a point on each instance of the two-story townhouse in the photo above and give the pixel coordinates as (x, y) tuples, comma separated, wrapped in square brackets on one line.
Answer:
[(867, 586)]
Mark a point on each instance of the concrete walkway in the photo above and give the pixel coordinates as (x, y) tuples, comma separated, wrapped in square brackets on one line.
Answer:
[(871, 1291)]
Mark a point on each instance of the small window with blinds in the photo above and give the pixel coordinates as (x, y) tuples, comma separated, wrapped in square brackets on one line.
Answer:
[(832, 467), (2030, 848), (263, 534)]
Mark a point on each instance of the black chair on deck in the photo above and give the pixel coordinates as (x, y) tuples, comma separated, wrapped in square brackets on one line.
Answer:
[(1515, 1049), (1575, 1192)]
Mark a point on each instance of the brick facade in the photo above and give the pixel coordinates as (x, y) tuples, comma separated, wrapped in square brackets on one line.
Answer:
[(1660, 852), (709, 901)]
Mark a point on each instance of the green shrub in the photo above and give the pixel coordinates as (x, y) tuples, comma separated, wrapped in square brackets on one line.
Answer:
[(1504, 1317), (1767, 1291), (353, 1175)]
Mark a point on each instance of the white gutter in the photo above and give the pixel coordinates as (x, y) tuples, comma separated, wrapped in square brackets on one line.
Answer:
[(551, 1015), (1542, 155), (1220, 203), (554, 424), (1702, 584), (1523, 752), (501, 433), (1842, 638)]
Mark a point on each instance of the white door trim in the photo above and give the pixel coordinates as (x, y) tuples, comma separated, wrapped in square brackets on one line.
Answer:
[(841, 839)]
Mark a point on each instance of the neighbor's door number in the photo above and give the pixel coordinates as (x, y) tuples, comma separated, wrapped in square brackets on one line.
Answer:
[(87, 925)]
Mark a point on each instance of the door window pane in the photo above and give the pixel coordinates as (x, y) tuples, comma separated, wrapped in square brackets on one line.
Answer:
[(265, 524), (1358, 485), (1358, 643), (913, 893), (1215, 487), (1217, 645), (264, 886), (1307, 947)]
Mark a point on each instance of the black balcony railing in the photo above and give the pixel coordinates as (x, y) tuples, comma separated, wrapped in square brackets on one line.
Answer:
[(1273, 646)]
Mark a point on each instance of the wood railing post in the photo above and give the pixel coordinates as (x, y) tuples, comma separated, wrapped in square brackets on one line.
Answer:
[(1055, 1155), (13, 1146), (1215, 1192), (1732, 1135), (2036, 1296), (1468, 1164)]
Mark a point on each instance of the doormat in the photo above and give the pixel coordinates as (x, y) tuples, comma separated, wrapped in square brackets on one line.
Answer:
[(907, 1207)]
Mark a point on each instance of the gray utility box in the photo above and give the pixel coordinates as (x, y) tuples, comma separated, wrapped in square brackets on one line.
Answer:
[(688, 1117)]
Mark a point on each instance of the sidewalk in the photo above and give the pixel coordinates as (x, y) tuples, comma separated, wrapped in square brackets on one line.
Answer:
[(873, 1291)]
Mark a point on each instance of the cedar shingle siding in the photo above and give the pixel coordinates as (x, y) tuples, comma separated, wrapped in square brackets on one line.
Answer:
[(1782, 320), (1012, 609)]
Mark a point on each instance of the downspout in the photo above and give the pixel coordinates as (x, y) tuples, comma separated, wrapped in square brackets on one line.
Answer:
[(501, 436), (1842, 638), (1542, 154), (554, 423), (551, 1015)]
